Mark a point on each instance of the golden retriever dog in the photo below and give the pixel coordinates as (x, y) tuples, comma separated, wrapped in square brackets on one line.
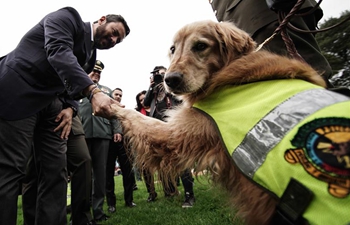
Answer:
[(236, 103)]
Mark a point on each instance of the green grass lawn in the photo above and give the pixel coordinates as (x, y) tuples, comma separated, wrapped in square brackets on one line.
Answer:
[(210, 207)]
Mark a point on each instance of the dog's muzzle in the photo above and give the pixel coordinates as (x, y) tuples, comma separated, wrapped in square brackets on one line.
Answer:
[(174, 81)]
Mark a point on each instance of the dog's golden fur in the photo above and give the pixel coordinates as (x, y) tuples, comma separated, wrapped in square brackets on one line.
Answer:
[(206, 55)]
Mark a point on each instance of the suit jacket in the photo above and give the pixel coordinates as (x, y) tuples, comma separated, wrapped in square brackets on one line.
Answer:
[(94, 126), (257, 19), (251, 15), (46, 63)]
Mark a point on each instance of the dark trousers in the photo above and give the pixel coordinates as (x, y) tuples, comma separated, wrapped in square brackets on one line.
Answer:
[(118, 151), (169, 188), (98, 148), (149, 181), (30, 192), (16, 140), (79, 164), (187, 182)]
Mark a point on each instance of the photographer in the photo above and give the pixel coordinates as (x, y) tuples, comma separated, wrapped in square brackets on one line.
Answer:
[(159, 101), (156, 97)]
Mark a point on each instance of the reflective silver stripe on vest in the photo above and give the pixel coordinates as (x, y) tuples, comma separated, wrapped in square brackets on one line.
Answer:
[(271, 129)]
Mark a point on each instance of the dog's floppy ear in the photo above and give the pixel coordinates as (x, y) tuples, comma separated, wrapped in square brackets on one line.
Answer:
[(234, 42)]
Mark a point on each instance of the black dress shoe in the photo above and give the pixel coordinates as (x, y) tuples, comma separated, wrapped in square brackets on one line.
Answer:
[(130, 204), (102, 218), (152, 197)]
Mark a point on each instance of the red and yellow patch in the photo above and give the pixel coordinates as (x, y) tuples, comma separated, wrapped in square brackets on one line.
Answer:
[(323, 149)]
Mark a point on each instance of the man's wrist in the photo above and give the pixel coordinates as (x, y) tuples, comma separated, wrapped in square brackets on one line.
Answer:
[(87, 91), (75, 110), (93, 92)]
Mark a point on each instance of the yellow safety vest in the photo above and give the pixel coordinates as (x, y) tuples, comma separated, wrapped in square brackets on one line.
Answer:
[(283, 129)]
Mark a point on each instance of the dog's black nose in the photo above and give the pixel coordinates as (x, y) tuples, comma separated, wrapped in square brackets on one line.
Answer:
[(173, 80)]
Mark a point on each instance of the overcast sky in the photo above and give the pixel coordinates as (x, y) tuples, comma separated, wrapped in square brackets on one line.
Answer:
[(152, 23)]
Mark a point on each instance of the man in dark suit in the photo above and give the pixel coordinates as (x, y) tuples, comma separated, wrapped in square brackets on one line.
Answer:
[(47, 63), (256, 18), (98, 133)]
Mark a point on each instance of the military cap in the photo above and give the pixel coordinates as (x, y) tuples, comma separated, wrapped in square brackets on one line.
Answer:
[(99, 66)]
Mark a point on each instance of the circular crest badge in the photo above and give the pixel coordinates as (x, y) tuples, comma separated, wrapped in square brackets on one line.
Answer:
[(323, 149)]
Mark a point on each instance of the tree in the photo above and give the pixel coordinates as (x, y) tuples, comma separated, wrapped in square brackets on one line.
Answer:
[(335, 43)]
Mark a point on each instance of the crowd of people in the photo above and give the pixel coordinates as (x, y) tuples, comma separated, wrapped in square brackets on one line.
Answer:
[(55, 119)]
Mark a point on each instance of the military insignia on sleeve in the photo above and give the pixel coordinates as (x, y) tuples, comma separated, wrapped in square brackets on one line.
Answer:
[(105, 90), (323, 149)]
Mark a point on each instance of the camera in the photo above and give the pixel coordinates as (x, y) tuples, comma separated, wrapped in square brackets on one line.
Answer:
[(158, 74), (157, 78)]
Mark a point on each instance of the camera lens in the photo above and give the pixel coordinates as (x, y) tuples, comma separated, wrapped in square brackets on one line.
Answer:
[(157, 78)]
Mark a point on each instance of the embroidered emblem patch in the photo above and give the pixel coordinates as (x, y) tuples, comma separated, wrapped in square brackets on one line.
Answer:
[(323, 149)]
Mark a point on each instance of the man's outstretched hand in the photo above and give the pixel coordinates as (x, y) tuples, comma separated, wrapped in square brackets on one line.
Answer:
[(102, 105)]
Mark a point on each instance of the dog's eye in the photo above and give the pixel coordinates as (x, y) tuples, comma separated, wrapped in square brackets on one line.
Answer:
[(172, 49), (200, 46)]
